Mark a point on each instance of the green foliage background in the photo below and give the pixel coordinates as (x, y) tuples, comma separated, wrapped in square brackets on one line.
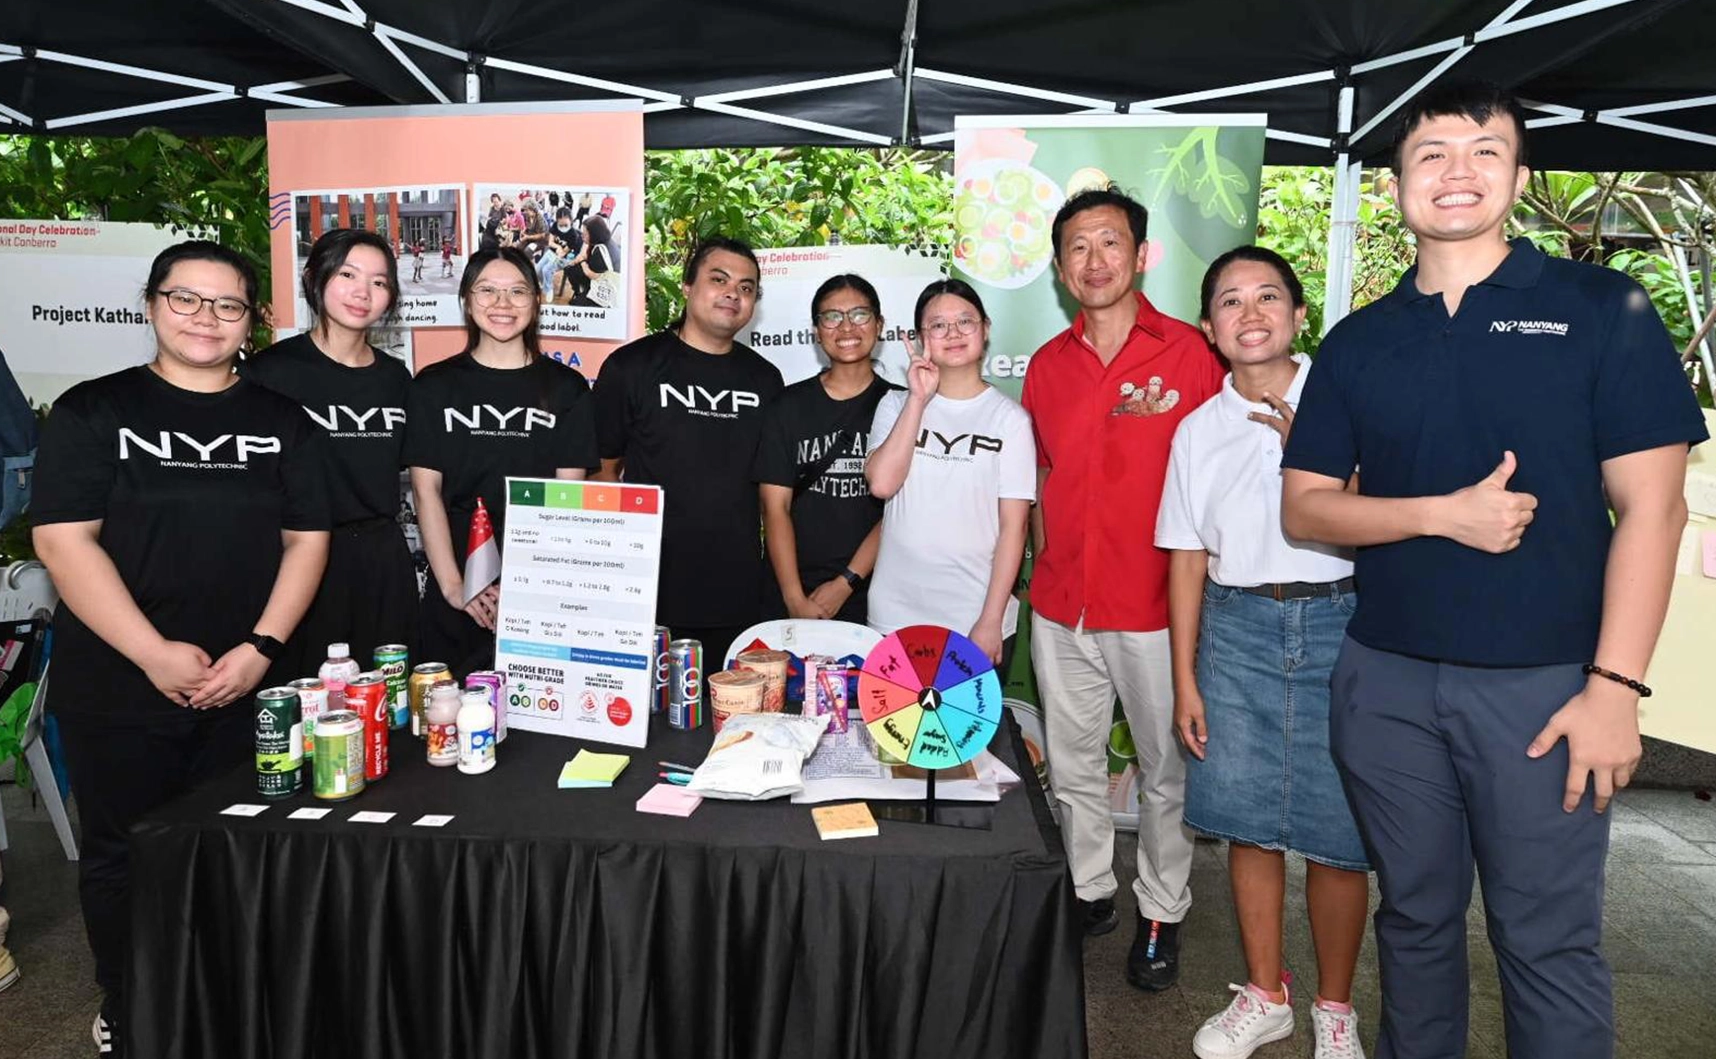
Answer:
[(816, 195)]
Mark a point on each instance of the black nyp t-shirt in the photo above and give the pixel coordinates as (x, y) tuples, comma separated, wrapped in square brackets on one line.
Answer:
[(362, 412), (688, 421), (192, 491), (477, 425), (816, 446)]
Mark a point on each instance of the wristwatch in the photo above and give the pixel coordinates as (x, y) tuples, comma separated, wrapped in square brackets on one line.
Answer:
[(851, 577), (266, 645)]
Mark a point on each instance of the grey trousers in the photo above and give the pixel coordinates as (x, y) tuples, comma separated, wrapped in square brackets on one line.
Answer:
[(1433, 759)]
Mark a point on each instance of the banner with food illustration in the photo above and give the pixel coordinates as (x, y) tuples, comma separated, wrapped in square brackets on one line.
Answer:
[(1198, 177)]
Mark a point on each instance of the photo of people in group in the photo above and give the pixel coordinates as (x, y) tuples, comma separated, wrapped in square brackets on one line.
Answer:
[(424, 226), (575, 239)]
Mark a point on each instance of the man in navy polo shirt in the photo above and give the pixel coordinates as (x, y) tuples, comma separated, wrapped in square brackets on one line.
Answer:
[(1496, 405)]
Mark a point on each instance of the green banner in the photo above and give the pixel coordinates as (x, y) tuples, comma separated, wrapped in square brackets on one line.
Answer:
[(1198, 177)]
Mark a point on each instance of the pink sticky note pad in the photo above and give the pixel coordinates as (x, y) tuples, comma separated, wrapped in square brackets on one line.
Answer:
[(1709, 539), (669, 800)]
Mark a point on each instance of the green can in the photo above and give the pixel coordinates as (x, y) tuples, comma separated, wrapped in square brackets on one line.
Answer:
[(393, 661), (339, 756), (279, 743)]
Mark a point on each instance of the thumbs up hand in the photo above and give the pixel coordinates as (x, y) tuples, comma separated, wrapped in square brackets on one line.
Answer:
[(1487, 515)]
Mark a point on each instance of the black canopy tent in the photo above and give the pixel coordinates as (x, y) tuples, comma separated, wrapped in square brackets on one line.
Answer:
[(1618, 83), (1615, 84)]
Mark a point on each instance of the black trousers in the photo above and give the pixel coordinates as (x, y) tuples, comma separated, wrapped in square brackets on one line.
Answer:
[(120, 773), (368, 597)]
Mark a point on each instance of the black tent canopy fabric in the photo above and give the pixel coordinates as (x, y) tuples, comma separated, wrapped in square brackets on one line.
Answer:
[(1616, 83)]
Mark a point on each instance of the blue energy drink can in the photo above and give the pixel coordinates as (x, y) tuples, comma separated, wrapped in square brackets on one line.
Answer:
[(662, 693), (685, 677)]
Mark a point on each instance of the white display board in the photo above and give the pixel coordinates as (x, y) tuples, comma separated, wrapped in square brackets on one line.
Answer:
[(576, 632), (781, 328), (73, 308)]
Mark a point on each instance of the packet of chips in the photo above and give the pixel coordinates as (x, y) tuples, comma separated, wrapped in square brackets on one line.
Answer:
[(758, 756)]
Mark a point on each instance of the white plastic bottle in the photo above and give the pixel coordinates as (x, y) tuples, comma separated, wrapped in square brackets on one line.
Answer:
[(476, 731), (339, 670)]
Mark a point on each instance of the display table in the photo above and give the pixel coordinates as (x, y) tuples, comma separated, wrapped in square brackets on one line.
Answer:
[(542, 922)]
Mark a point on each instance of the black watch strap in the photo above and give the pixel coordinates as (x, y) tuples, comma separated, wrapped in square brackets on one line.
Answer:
[(851, 577), (266, 645)]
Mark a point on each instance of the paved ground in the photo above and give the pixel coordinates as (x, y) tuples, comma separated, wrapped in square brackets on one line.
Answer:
[(1661, 940)]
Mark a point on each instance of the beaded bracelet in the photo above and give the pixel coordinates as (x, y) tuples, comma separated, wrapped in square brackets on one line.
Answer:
[(1644, 692)]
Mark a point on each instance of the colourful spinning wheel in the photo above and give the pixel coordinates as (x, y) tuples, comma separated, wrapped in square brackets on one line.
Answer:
[(929, 696)]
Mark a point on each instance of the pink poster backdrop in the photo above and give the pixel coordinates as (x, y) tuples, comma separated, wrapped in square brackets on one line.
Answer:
[(314, 155)]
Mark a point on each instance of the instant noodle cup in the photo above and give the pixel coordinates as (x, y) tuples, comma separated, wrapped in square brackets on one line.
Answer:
[(735, 691), (773, 666)]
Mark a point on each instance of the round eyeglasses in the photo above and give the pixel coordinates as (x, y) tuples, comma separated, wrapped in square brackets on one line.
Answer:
[(487, 295), (965, 325), (829, 319), (190, 303)]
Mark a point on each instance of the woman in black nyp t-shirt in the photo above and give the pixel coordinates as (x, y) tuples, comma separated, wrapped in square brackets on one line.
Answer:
[(182, 514), (355, 395), (821, 525), (499, 408)]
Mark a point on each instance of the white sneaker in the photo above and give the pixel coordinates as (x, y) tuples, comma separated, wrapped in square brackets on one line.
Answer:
[(1337, 1034), (8, 969), (103, 1035), (1248, 1023)]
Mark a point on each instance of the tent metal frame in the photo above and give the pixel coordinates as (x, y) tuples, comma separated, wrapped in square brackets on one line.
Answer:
[(1342, 244)]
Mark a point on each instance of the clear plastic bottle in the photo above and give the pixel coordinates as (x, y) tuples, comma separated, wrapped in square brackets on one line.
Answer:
[(339, 670)]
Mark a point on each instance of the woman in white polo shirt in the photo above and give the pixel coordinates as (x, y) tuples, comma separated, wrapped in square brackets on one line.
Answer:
[(1255, 623)]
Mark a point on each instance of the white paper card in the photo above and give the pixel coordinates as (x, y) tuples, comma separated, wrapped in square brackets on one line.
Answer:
[(308, 814), (368, 817), (431, 820), (243, 809)]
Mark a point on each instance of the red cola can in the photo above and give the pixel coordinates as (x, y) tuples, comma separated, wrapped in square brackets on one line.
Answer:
[(366, 696)]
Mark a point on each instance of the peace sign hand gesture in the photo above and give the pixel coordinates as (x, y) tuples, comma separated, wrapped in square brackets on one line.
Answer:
[(923, 376)]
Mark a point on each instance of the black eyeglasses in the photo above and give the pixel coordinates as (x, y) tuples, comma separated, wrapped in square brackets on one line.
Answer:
[(190, 303)]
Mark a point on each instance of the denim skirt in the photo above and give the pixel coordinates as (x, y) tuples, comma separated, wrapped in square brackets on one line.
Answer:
[(1268, 778)]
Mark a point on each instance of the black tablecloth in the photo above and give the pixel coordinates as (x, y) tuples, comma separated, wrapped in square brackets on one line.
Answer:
[(546, 922)]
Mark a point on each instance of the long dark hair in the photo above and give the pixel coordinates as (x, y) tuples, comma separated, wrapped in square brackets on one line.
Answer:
[(515, 257), (330, 252)]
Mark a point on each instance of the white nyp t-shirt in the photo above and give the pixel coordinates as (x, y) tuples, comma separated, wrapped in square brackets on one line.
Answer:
[(939, 532), (1223, 495)]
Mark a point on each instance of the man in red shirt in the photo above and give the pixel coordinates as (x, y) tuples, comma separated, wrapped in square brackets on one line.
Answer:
[(1105, 396)]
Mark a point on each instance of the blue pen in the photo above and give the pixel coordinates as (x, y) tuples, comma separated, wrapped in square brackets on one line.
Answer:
[(681, 778)]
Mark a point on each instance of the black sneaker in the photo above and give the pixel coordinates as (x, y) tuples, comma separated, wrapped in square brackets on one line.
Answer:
[(1154, 962), (1098, 916)]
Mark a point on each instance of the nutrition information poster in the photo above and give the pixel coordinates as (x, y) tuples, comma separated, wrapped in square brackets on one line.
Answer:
[(575, 636)]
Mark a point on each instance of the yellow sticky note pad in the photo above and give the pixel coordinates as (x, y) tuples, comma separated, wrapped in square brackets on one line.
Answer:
[(589, 769)]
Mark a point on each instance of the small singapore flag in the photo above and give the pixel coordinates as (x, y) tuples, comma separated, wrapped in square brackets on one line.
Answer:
[(482, 555)]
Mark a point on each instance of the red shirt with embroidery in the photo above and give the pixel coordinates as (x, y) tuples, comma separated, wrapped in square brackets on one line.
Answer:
[(1103, 435)]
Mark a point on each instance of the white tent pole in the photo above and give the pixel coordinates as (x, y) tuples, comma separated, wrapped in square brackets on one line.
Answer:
[(817, 85), (1047, 95), (1343, 225), (142, 108), (1163, 102), (17, 116), (1696, 311), (386, 41)]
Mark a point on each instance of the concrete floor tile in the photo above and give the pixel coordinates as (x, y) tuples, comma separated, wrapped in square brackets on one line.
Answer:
[(1644, 841), (1679, 811), (1693, 883)]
